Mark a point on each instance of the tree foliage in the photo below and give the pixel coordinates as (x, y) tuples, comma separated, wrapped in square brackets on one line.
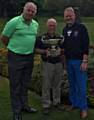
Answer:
[(10, 8)]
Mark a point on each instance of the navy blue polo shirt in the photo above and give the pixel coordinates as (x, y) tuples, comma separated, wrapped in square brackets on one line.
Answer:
[(76, 41), (44, 44)]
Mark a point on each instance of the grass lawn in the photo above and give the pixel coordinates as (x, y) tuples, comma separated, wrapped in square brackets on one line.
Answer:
[(6, 114)]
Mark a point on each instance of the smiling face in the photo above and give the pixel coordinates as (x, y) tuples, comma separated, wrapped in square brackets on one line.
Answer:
[(29, 11), (51, 25), (69, 16)]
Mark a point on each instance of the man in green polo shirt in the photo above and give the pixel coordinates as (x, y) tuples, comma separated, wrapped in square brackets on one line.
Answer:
[(19, 35)]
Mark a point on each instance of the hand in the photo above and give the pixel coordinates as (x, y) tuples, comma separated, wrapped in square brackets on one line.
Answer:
[(48, 53), (55, 52), (58, 52), (84, 66)]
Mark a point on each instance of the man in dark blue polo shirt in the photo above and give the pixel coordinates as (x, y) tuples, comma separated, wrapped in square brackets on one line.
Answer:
[(76, 46)]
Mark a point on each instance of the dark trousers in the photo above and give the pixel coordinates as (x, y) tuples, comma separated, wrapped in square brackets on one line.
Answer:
[(20, 70)]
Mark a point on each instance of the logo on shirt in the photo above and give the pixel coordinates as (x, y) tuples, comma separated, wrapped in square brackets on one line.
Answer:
[(75, 33), (69, 32)]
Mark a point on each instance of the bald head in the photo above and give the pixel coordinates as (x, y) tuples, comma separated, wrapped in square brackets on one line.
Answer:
[(30, 5), (29, 10), (51, 21), (51, 25)]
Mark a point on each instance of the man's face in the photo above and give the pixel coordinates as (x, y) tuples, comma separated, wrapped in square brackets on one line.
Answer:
[(29, 11), (69, 17), (51, 27)]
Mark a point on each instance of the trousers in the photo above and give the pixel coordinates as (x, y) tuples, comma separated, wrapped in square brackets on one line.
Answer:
[(20, 70), (52, 79), (77, 84)]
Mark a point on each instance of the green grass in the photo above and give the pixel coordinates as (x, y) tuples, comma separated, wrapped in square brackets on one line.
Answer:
[(6, 114)]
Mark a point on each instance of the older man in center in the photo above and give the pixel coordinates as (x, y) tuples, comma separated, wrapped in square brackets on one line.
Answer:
[(49, 45)]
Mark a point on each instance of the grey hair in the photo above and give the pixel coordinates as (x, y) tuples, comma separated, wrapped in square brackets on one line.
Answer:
[(69, 9), (51, 20), (31, 4)]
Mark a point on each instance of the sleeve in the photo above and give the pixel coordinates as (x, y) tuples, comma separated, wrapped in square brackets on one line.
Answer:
[(9, 28), (62, 46), (62, 41), (85, 40), (38, 43)]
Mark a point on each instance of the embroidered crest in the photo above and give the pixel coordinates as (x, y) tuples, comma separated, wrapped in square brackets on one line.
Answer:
[(69, 32), (75, 33)]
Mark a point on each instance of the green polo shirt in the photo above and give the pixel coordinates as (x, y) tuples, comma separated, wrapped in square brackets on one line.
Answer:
[(22, 36)]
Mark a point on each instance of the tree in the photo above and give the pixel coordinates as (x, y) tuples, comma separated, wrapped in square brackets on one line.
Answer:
[(10, 8)]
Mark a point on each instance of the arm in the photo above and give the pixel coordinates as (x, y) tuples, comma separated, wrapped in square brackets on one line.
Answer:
[(85, 43), (39, 47), (8, 31), (84, 64), (4, 39), (62, 51), (42, 51), (85, 58)]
